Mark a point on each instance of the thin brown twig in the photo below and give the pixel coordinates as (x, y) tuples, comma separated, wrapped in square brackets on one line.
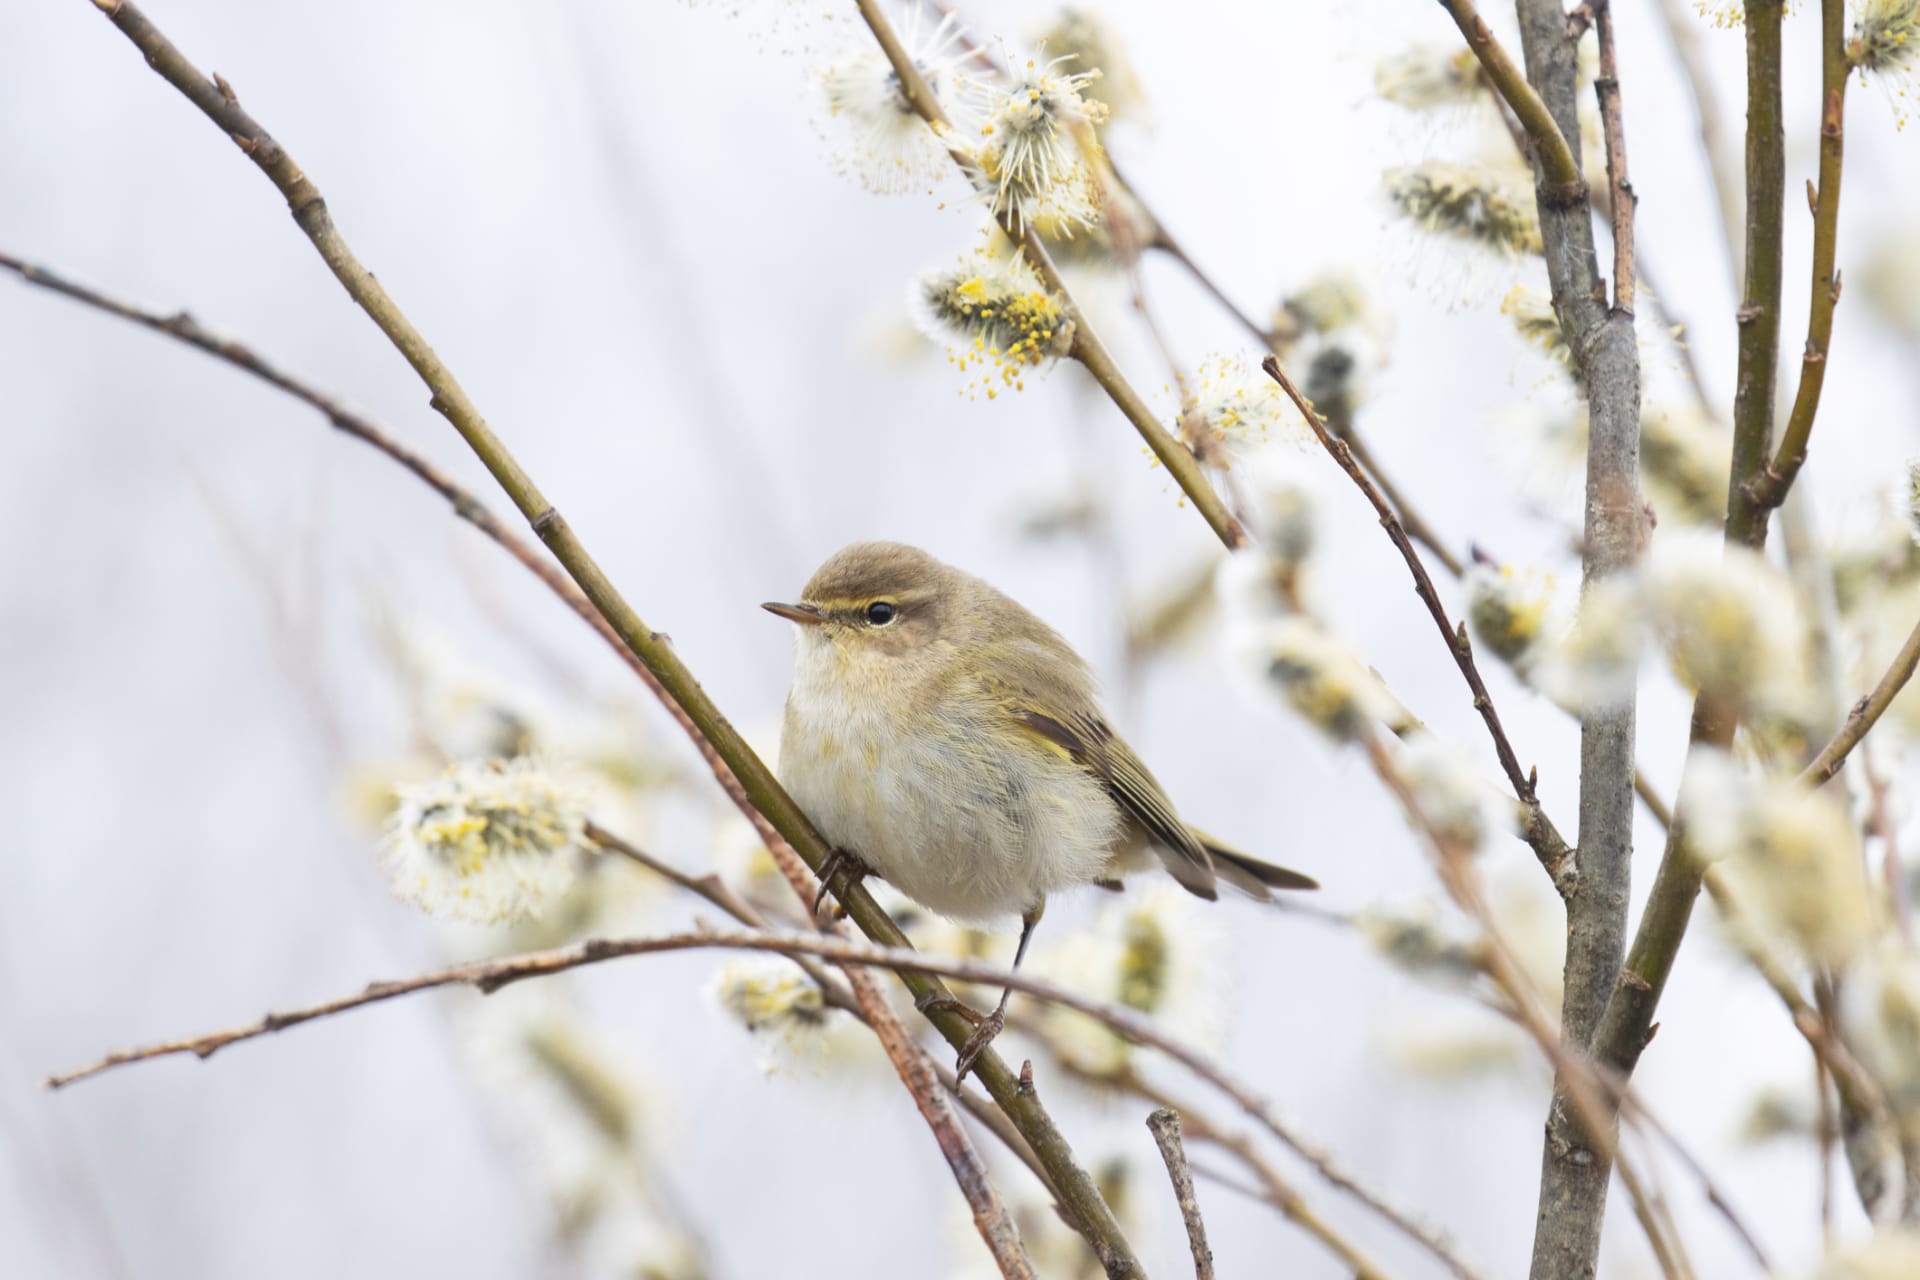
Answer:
[(861, 997), (1164, 1124), (488, 976), (1275, 1191), (767, 802), (1591, 1095), (1865, 714), (1540, 833), (1622, 201), (990, 1216), (1416, 524)]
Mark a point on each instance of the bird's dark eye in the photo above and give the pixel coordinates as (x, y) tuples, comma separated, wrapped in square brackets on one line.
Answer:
[(880, 613)]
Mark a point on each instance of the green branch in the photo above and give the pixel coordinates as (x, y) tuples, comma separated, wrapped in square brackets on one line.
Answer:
[(1564, 184), (1769, 488)]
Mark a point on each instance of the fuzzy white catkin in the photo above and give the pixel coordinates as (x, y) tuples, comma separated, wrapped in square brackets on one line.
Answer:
[(487, 841), (889, 147), (1792, 855), (1029, 147), (1891, 1254)]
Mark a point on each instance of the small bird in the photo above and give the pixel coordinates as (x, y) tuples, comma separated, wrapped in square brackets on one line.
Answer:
[(943, 737)]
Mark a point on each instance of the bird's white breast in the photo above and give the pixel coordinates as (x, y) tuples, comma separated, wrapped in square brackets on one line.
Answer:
[(949, 806)]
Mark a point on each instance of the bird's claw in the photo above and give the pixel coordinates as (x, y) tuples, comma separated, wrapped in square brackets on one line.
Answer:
[(986, 1026), (842, 869)]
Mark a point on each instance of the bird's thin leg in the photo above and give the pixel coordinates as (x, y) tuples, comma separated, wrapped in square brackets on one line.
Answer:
[(843, 866), (987, 1026)]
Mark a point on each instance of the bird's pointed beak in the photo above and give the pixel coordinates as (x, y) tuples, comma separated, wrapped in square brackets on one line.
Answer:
[(805, 614)]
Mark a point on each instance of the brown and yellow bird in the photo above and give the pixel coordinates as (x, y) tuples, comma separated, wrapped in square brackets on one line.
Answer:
[(942, 736)]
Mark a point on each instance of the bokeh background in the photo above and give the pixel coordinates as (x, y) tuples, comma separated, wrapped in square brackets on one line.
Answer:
[(620, 223)]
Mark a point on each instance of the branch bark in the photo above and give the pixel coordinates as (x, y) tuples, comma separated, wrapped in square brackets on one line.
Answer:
[(1574, 1168), (216, 99), (1164, 1124)]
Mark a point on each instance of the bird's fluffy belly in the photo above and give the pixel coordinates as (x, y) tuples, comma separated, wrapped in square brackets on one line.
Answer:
[(964, 825)]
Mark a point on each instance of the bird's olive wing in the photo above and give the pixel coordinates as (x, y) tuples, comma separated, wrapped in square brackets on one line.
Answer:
[(1090, 743)]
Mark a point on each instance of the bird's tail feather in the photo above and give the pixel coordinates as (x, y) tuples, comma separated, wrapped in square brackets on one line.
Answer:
[(1248, 874)]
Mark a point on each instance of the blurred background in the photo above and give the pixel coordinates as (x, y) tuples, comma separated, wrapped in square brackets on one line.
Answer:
[(226, 628)]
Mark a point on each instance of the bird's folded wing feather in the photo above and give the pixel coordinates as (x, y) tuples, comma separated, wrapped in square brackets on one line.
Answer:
[(1090, 743)]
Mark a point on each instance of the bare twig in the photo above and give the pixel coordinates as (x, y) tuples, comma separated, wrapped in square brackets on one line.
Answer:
[(767, 800), (862, 997), (488, 976), (990, 1216), (1417, 526), (1165, 1127), (1865, 713), (1622, 200), (1588, 1092), (1540, 833), (1274, 1190)]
